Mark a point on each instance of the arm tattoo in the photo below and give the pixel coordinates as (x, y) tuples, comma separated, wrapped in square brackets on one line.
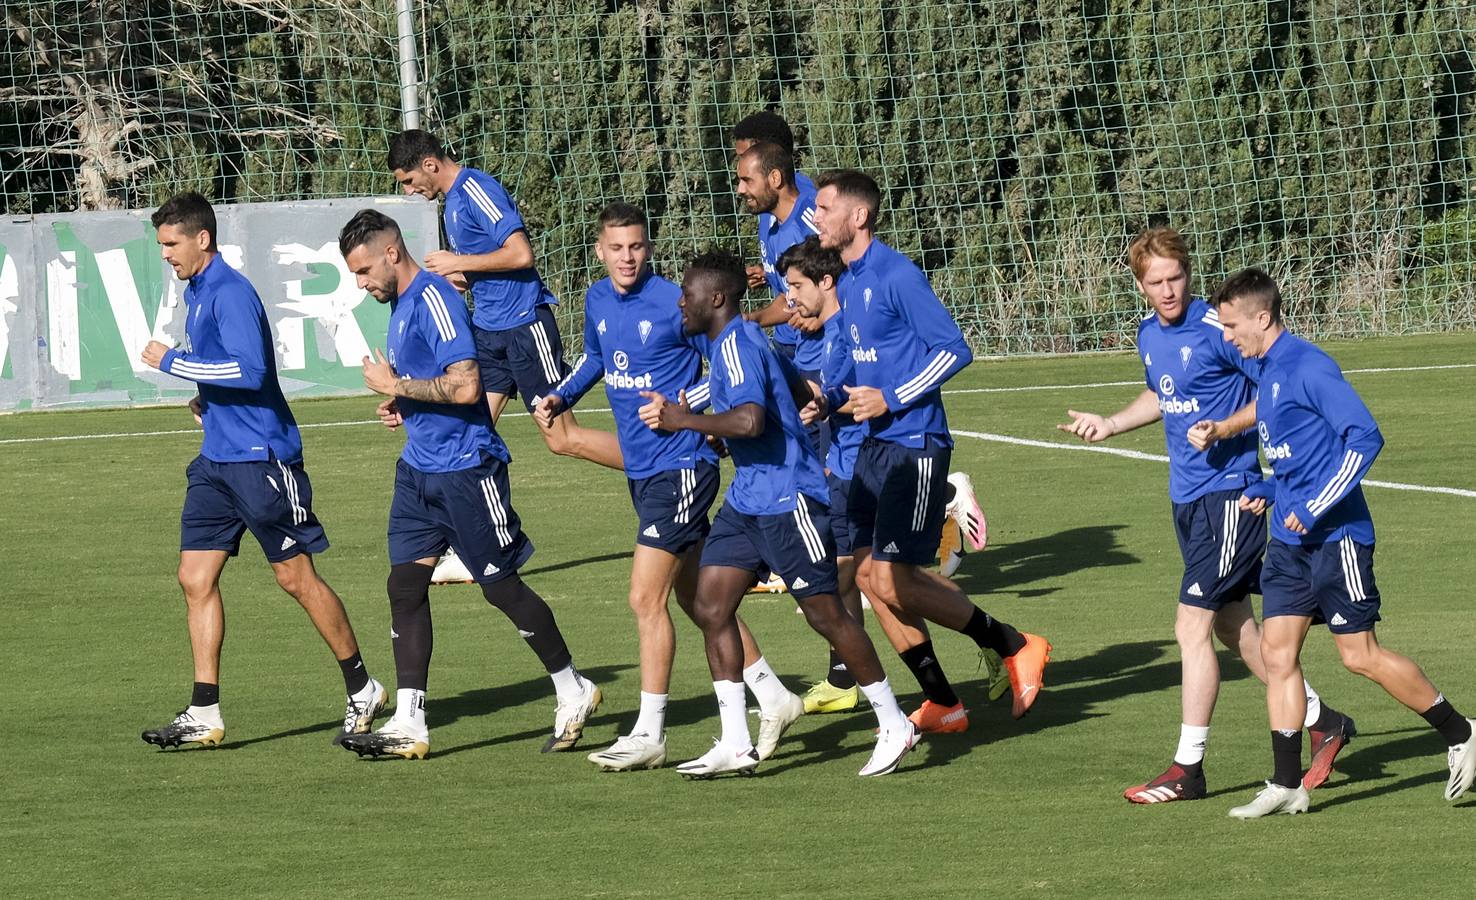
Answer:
[(443, 389)]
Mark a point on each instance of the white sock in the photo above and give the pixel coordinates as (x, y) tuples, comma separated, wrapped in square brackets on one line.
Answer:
[(210, 714), (733, 713), (884, 704), (1192, 739), (410, 707), (767, 689), (1314, 705), (568, 683), (652, 720)]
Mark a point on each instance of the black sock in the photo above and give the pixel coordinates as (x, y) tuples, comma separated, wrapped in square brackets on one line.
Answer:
[(1286, 750), (205, 694), (533, 619), (355, 675), (1442, 717), (410, 624), (1327, 719), (992, 634), (839, 676), (924, 666)]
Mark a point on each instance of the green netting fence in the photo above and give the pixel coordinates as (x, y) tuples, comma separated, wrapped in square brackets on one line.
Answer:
[(1019, 144)]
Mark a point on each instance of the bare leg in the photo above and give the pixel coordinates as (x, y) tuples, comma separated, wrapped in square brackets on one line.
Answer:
[(653, 573), (1395, 673), (297, 577), (199, 576)]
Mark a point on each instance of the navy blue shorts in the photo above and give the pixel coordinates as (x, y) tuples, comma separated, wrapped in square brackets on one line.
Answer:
[(468, 510), (840, 523), (672, 507), (897, 500), (1222, 546), (797, 545), (1332, 581), (526, 361), (272, 498)]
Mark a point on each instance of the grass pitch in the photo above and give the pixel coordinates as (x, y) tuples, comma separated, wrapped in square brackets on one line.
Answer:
[(1081, 550)]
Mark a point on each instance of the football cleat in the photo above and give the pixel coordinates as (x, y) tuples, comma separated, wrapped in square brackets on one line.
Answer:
[(358, 715), (569, 718), (1174, 784), (1273, 800), (1026, 670), (191, 726), (950, 550), (772, 585), (999, 678), (891, 746), (825, 697), (396, 738), (964, 509), (719, 761), (1325, 748), (451, 570), (772, 726), (631, 751), (1462, 762), (935, 718)]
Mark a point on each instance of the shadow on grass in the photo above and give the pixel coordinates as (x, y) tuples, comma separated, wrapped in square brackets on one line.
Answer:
[(1008, 568), (1363, 768), (575, 563)]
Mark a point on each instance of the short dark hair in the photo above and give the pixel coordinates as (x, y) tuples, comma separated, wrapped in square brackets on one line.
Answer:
[(814, 261), (190, 212), (725, 268), (855, 186), (1254, 286), (364, 227), (771, 156), (766, 127), (620, 214), (410, 148)]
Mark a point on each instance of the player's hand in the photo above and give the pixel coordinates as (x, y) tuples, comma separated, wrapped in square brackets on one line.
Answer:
[(1293, 524), (389, 414), (866, 402), (1256, 506), (443, 262), (1090, 427), (660, 414), (197, 408), (378, 376), (458, 281), (1204, 433), (718, 446), (805, 325), (153, 354), (756, 276), (814, 411), (547, 409)]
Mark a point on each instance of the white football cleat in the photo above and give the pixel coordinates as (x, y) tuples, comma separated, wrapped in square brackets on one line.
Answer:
[(569, 717), (950, 549), (397, 738), (965, 510), (772, 727), (632, 751), (451, 570), (1462, 761), (358, 715), (1273, 800), (193, 725), (774, 585), (720, 760), (891, 746)]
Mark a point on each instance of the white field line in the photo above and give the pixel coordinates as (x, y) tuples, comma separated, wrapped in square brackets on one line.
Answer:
[(1139, 383)]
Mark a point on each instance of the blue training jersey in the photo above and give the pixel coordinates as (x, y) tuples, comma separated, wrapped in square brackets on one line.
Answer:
[(774, 238), (1320, 441), (846, 434), (1199, 375), (228, 353), (771, 470), (636, 342), (429, 329), (480, 216), (903, 342)]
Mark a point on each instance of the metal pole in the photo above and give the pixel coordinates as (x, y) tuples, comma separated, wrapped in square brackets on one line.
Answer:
[(409, 77)]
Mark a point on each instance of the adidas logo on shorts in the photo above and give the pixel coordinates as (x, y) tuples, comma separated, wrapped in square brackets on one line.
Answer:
[(891, 547), (1337, 619), (1194, 590), (287, 543), (651, 532), (800, 584), (490, 570)]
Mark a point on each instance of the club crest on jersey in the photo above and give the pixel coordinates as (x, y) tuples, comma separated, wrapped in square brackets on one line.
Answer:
[(1166, 385), (1184, 354), (866, 298), (622, 362), (645, 330), (1275, 390), (600, 328), (1147, 359)]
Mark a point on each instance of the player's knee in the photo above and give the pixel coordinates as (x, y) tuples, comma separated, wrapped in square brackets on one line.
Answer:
[(196, 584), (1360, 660), (408, 584), (881, 584), (292, 580), (824, 614), (646, 603)]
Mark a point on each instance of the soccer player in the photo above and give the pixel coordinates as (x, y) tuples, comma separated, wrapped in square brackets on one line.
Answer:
[(1320, 441), (904, 345), (451, 488), (249, 474), (633, 338), (811, 273), (774, 515), (518, 346), (767, 127), (1200, 387)]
